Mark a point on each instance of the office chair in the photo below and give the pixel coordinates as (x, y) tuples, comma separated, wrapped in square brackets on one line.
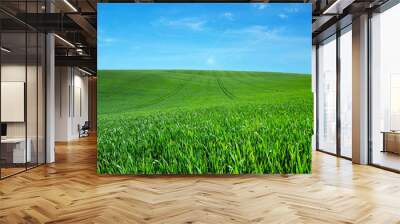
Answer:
[(84, 130)]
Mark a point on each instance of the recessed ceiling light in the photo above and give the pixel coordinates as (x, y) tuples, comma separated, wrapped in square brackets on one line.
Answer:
[(64, 40), (337, 7), (70, 5), (86, 72), (5, 50)]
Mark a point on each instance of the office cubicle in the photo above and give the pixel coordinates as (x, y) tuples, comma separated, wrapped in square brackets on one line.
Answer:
[(22, 77)]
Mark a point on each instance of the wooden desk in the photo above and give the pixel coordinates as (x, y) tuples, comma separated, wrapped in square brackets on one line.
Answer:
[(13, 150), (391, 141)]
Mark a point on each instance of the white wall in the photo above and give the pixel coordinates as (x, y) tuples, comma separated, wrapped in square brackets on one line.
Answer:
[(62, 82), (33, 127), (14, 72), (80, 94), (17, 73), (70, 83), (13, 101)]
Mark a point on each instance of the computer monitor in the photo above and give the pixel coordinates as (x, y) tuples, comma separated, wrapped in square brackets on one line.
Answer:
[(3, 129)]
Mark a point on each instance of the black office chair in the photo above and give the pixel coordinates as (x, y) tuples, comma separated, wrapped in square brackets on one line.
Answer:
[(84, 130)]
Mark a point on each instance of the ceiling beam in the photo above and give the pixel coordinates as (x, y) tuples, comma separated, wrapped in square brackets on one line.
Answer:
[(86, 26), (337, 7), (79, 61)]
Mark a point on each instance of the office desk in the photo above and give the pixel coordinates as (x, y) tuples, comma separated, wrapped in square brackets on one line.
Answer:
[(13, 150), (391, 141)]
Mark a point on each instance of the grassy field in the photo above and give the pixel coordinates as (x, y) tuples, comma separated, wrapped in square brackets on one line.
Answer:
[(199, 122)]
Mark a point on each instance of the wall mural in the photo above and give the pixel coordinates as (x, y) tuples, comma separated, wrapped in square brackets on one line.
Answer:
[(204, 88)]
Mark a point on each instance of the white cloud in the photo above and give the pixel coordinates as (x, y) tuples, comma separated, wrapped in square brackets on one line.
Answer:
[(228, 15), (108, 40), (260, 6), (135, 47), (257, 32), (210, 60), (283, 16), (293, 9), (195, 24)]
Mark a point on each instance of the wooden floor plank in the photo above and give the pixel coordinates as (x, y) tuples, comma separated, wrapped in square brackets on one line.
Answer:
[(70, 191)]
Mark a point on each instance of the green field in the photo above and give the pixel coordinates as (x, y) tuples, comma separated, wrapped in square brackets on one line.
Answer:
[(199, 122)]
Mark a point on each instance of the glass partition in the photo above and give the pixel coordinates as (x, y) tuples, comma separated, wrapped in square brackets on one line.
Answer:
[(327, 95), (385, 89), (22, 77), (14, 153)]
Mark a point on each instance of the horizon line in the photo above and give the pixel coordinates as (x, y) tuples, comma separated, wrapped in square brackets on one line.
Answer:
[(127, 69)]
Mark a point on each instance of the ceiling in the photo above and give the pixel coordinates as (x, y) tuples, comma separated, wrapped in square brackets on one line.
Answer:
[(75, 22), (330, 15)]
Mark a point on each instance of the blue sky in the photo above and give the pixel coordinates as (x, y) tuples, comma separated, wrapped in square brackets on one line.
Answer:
[(236, 36)]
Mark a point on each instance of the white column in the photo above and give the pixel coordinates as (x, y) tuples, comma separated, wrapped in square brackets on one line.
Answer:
[(314, 91), (50, 100), (360, 90), (63, 100)]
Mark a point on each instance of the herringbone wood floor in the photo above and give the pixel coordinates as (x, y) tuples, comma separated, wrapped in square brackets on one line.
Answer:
[(70, 191)]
